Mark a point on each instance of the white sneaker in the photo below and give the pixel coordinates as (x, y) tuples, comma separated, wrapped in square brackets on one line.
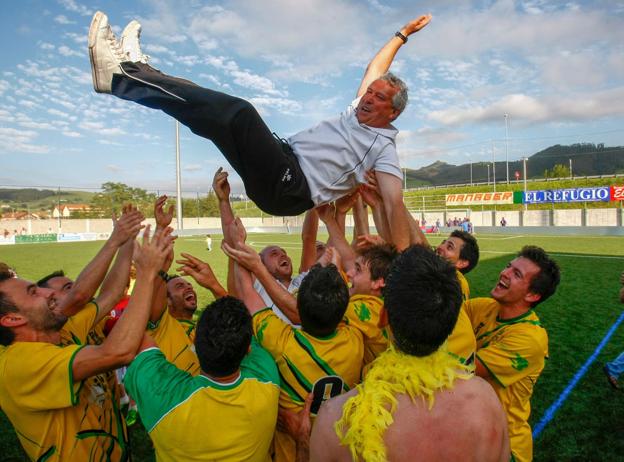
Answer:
[(130, 42), (105, 53)]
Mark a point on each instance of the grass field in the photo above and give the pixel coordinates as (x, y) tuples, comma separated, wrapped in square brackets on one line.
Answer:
[(590, 423)]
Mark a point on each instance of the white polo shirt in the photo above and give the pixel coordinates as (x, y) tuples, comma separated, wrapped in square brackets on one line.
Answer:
[(335, 154)]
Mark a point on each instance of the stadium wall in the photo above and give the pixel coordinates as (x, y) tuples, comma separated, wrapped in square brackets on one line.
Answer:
[(596, 221)]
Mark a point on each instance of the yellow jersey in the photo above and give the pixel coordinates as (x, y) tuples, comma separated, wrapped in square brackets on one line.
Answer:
[(55, 418), (189, 328), (465, 287), (174, 343), (196, 418), (326, 366), (514, 353), (364, 313)]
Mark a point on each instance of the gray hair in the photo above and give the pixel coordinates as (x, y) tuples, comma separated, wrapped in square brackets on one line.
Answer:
[(399, 100)]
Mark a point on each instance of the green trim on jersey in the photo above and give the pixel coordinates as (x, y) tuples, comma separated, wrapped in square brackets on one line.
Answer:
[(305, 344), (259, 364), (159, 387), (490, 371), (74, 396)]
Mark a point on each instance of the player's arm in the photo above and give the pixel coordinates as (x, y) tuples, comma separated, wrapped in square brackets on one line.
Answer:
[(481, 370), (381, 62), (116, 281), (93, 274), (336, 236), (370, 195), (392, 196), (298, 425), (309, 231), (248, 262), (122, 343), (360, 220), (221, 187)]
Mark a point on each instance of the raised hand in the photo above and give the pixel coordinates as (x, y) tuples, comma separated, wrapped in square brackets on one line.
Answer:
[(221, 185), (368, 240), (416, 24), (197, 269), (345, 203), (326, 212), (244, 255), (149, 256), (163, 219), (127, 226)]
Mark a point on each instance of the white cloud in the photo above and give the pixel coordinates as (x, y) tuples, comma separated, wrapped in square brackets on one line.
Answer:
[(71, 134), (264, 105), (528, 109), (255, 82), (66, 51), (76, 7), (14, 140), (4, 86), (56, 112), (46, 46), (62, 19), (192, 168), (114, 168)]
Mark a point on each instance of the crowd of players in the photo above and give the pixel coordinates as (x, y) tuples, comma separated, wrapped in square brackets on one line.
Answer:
[(367, 354)]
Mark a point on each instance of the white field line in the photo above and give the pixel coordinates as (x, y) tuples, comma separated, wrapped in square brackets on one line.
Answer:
[(499, 238)]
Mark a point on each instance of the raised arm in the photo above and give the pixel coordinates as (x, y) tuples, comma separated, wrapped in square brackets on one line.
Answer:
[(337, 238), (309, 231), (381, 62), (221, 187), (90, 278), (122, 343), (392, 196), (249, 259)]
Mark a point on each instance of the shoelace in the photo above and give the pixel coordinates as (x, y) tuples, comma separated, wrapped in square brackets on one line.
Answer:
[(115, 47)]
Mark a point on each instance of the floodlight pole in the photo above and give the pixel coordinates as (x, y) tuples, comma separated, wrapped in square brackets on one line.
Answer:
[(571, 176), (493, 166), (178, 179), (507, 147)]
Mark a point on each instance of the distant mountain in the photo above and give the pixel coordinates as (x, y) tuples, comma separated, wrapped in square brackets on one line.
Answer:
[(587, 159)]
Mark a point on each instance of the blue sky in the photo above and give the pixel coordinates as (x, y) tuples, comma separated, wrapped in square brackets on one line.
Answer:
[(557, 69)]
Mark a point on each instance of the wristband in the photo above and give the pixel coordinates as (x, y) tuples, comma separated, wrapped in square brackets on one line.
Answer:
[(164, 276), (401, 36)]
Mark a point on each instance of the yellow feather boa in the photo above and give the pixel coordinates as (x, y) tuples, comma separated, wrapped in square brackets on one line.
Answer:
[(367, 415)]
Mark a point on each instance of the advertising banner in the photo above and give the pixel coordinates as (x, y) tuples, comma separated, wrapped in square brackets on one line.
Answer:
[(485, 198), (601, 194), (31, 238), (69, 237), (617, 193)]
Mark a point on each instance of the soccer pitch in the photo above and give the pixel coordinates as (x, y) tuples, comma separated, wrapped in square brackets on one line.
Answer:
[(588, 424)]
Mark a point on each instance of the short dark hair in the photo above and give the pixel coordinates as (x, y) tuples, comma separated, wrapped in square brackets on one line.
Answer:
[(223, 336), (322, 300), (6, 306), (423, 298), (43, 282), (379, 258), (469, 251), (546, 281)]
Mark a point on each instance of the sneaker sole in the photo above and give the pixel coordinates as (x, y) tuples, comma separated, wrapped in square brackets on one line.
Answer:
[(93, 31)]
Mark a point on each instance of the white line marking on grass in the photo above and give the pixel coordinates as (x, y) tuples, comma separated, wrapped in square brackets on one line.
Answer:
[(550, 412), (500, 238), (573, 255)]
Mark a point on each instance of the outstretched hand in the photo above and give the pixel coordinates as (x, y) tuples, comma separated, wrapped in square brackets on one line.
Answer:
[(368, 240), (416, 24), (326, 212), (197, 269), (346, 203), (150, 255), (221, 185), (163, 219), (244, 255), (127, 226)]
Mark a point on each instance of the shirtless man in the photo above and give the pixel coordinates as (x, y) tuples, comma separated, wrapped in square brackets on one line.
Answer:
[(462, 420)]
